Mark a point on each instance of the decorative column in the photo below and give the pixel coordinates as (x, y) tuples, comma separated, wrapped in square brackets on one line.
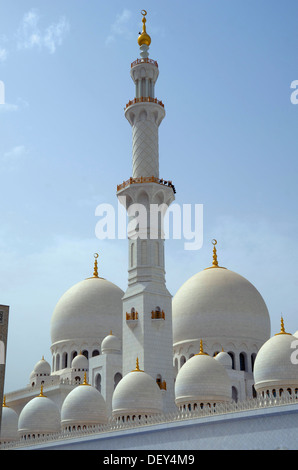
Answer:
[(147, 304)]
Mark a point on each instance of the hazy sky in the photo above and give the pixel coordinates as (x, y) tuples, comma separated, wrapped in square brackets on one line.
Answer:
[(228, 141)]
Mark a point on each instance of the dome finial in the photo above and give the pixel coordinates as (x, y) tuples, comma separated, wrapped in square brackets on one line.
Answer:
[(137, 369), (41, 391), (215, 262), (95, 272), (144, 38), (4, 402), (201, 353), (85, 380), (282, 328)]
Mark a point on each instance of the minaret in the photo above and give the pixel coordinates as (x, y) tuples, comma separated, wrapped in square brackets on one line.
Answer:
[(147, 304)]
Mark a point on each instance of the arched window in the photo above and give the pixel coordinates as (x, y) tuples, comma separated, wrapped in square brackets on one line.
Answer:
[(242, 359), (64, 360), (73, 355), (98, 382), (85, 353), (58, 362), (95, 353), (117, 378), (253, 358), (232, 355), (234, 394), (182, 361)]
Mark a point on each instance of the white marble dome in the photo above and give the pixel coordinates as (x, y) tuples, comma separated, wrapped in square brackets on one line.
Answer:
[(111, 345), (39, 416), (225, 359), (80, 362), (137, 394), (218, 303), (83, 406), (202, 379), (273, 367), (9, 425), (87, 312), (42, 367)]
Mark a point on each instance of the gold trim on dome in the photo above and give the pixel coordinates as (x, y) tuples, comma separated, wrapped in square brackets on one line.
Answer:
[(137, 369), (144, 38), (282, 328), (215, 261)]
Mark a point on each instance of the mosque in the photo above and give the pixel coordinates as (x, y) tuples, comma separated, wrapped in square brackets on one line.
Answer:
[(142, 370)]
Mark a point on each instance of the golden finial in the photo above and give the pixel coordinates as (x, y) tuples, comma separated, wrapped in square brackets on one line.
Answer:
[(201, 353), (4, 402), (282, 328), (144, 38), (137, 369), (111, 332), (215, 261), (41, 391), (95, 272), (85, 380)]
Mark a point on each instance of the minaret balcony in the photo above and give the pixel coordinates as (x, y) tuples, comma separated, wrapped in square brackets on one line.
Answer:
[(145, 179), (158, 315), (144, 99), (145, 60), (132, 319)]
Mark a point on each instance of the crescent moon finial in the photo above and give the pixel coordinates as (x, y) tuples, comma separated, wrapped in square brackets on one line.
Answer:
[(95, 272)]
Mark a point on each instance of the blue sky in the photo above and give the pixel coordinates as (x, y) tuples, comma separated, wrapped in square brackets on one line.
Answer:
[(228, 141)]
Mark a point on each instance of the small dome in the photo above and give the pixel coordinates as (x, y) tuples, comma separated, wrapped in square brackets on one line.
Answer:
[(273, 367), (39, 416), (9, 424), (42, 367), (83, 406), (80, 362), (225, 359), (111, 345), (137, 394), (202, 379)]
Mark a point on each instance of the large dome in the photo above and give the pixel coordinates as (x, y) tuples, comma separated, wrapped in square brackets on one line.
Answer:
[(88, 311), (219, 303)]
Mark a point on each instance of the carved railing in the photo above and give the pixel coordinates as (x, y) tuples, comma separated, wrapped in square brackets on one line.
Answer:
[(145, 179), (158, 315), (144, 99), (132, 316), (146, 61)]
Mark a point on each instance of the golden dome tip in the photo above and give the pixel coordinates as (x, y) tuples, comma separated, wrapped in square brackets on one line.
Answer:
[(144, 37)]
